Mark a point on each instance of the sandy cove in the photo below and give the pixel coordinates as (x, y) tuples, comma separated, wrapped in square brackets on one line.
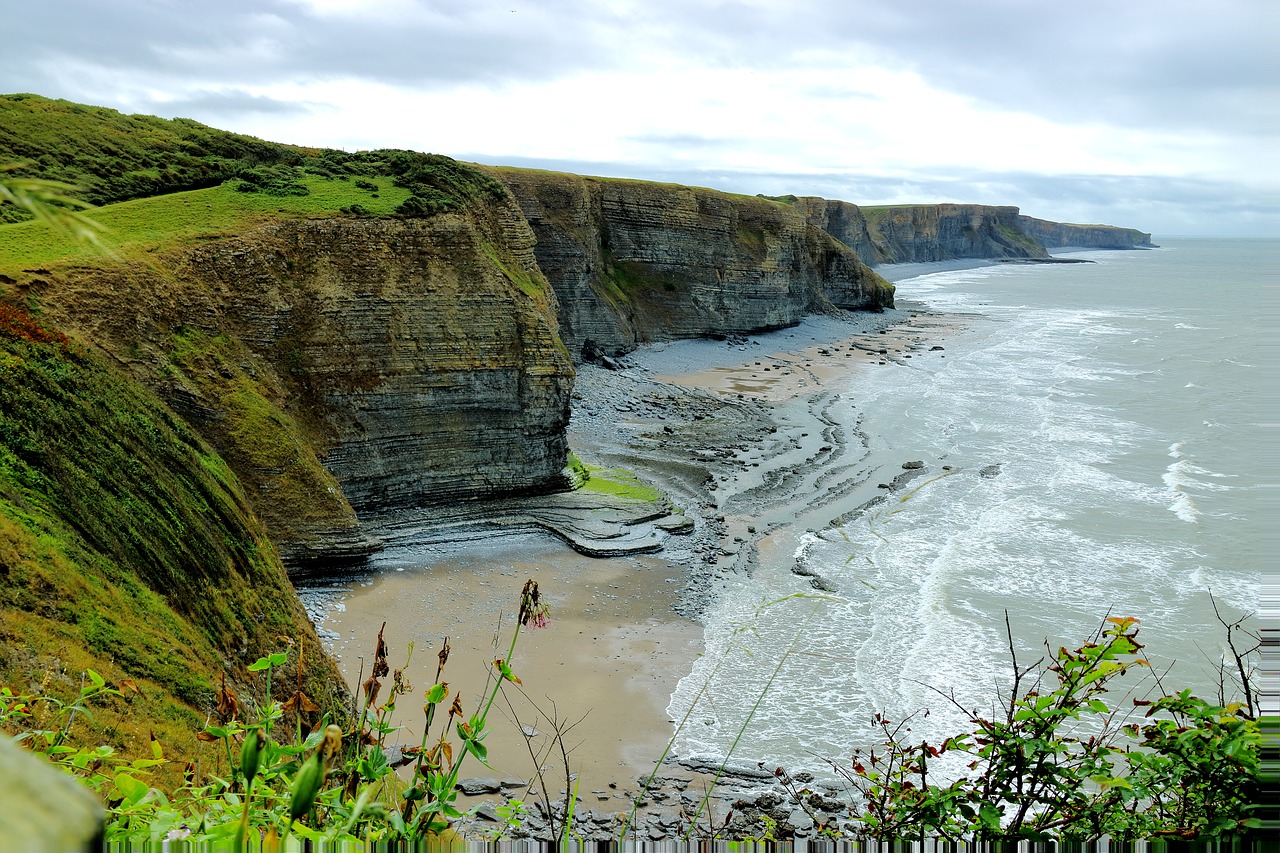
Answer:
[(738, 434)]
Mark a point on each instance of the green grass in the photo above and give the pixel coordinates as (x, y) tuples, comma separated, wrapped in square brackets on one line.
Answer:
[(127, 547), (619, 482), (516, 274), (148, 222), (114, 157)]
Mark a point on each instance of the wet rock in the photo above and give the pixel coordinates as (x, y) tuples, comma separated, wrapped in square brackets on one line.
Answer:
[(990, 471), (912, 466), (478, 786)]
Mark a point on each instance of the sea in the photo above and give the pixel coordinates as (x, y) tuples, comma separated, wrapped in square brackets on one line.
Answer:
[(1105, 429)]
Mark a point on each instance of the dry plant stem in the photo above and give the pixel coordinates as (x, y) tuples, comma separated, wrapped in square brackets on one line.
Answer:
[(538, 762), (1239, 657), (558, 830)]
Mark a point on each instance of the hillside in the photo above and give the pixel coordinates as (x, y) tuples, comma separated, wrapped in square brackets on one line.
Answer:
[(127, 547)]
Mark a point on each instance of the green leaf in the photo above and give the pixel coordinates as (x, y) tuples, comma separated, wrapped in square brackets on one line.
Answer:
[(98, 680), (437, 694), (1098, 706), (133, 790), (278, 659), (259, 665)]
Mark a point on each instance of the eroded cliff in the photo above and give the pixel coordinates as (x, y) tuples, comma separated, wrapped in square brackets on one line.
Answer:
[(634, 262), (1057, 235), (939, 232), (127, 547), (342, 365)]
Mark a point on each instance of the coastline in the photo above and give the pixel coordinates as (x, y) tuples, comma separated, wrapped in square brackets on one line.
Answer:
[(738, 434)]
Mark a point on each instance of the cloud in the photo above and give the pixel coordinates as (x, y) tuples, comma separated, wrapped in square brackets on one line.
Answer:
[(1176, 98), (229, 103), (241, 42)]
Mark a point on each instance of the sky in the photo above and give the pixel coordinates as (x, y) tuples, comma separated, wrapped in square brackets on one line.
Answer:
[(1162, 115)]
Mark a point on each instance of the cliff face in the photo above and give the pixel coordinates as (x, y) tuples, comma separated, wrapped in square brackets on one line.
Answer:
[(345, 365), (847, 223), (1057, 235), (937, 232), (633, 262)]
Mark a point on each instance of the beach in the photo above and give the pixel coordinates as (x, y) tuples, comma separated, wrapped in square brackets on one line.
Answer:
[(1037, 441), (739, 435)]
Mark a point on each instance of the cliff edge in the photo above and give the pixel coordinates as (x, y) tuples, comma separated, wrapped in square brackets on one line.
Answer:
[(634, 262)]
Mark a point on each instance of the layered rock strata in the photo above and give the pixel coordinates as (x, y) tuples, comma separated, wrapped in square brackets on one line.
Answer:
[(634, 262), (347, 366), (939, 232), (1057, 235)]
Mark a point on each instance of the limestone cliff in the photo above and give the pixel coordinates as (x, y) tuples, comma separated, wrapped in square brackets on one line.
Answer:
[(847, 223), (1057, 235), (345, 366), (938, 232), (633, 261)]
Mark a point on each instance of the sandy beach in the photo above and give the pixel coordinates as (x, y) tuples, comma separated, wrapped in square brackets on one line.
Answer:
[(735, 432)]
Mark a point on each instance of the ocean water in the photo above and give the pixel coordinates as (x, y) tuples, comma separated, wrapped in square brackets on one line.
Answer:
[(1105, 425)]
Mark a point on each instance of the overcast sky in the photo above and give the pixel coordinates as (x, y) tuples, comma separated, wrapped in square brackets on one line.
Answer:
[(1154, 114)]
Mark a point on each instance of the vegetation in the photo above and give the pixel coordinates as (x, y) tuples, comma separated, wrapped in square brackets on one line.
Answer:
[(140, 598), (619, 482), (126, 548), (1059, 761), (1062, 760), (162, 179), (288, 771)]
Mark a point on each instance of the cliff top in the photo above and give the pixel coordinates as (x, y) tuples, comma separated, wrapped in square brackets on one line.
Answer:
[(162, 180)]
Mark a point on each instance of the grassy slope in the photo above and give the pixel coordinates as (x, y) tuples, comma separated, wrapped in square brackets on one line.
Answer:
[(127, 547), (115, 157), (179, 179), (164, 220)]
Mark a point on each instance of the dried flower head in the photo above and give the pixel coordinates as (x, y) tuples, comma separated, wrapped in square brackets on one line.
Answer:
[(228, 702), (533, 611)]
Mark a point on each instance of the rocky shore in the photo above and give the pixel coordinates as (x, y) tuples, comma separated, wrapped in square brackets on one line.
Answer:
[(740, 435)]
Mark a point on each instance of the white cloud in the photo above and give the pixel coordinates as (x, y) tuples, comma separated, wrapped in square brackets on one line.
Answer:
[(924, 94)]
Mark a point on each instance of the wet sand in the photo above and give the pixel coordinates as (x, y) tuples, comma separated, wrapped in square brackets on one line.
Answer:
[(604, 667)]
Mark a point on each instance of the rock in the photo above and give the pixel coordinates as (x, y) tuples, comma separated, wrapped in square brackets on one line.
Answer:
[(990, 471), (912, 466), (478, 786), (696, 262), (928, 232), (45, 810), (1056, 235), (377, 344)]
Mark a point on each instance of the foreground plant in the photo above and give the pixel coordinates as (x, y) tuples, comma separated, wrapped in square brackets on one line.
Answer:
[(1060, 762), (331, 785)]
